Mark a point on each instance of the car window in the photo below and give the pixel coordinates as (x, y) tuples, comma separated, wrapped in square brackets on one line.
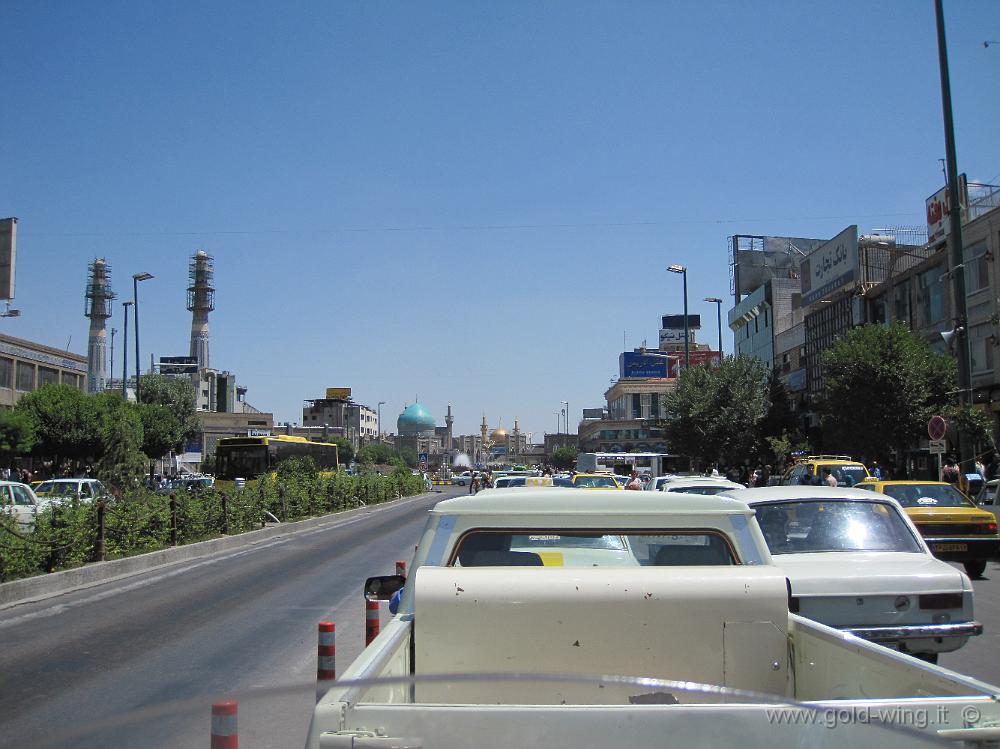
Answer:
[(22, 496), (570, 548), (811, 526), (705, 490), (592, 482), (927, 495), (86, 491)]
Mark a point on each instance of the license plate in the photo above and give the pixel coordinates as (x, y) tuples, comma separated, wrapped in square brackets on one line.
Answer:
[(950, 547)]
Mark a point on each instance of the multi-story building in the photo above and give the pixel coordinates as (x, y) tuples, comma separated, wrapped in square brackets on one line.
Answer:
[(26, 366), (356, 421)]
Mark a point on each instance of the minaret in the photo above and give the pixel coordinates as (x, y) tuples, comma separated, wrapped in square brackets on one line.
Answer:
[(448, 421), (516, 435), (97, 306), (200, 301)]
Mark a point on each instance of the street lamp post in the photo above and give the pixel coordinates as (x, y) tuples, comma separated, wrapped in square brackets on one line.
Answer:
[(125, 306), (718, 310), (111, 359), (687, 334), (955, 240), (135, 298)]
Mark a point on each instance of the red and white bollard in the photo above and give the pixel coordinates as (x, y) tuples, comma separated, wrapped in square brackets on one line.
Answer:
[(224, 733), (373, 624), (401, 568), (326, 658)]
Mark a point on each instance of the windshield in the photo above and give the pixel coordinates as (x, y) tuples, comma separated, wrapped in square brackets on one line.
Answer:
[(846, 475), (817, 526), (927, 495), (56, 488), (594, 482), (241, 462)]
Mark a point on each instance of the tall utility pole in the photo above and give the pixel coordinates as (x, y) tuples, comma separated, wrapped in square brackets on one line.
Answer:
[(957, 261), (135, 299), (687, 330), (718, 312)]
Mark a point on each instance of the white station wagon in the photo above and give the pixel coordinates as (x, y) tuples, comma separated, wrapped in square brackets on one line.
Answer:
[(857, 563)]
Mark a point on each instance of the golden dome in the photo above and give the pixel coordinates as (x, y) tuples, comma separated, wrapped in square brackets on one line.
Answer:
[(499, 436)]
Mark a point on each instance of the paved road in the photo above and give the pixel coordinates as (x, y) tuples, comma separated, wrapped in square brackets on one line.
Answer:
[(981, 656), (245, 619), (238, 620)]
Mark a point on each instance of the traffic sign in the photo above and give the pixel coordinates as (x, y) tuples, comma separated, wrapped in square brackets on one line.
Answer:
[(423, 465), (937, 427), (937, 447)]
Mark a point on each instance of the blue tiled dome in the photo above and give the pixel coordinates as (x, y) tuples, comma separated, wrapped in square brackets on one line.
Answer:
[(415, 419)]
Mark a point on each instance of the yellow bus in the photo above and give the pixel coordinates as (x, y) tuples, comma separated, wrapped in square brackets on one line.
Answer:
[(250, 458)]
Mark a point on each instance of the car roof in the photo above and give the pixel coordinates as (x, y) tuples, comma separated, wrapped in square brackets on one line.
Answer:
[(532, 500), (64, 481)]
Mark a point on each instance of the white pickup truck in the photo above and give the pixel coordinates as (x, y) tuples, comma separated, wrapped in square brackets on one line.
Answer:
[(556, 617)]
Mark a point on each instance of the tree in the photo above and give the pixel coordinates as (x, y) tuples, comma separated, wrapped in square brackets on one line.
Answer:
[(120, 463), (167, 410), (882, 385), (17, 433), (376, 454), (65, 422), (409, 456), (715, 414), (563, 458), (345, 450)]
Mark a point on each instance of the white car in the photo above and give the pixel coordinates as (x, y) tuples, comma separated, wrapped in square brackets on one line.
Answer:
[(58, 490), (462, 479), (700, 485), (20, 502), (855, 561)]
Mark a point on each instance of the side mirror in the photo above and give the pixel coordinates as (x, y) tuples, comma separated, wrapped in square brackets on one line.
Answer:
[(382, 587)]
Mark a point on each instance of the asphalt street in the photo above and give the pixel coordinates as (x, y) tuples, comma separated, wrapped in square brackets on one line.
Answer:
[(136, 662)]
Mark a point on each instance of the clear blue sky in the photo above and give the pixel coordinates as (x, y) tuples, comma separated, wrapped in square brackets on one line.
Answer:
[(469, 202)]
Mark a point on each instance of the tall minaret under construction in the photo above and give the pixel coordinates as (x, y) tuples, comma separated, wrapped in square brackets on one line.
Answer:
[(97, 306), (200, 301)]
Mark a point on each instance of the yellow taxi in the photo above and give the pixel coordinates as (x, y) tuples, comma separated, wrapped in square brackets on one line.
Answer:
[(595, 481), (812, 470), (953, 526)]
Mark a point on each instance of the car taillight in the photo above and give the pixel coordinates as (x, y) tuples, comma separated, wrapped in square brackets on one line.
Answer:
[(941, 601), (991, 528)]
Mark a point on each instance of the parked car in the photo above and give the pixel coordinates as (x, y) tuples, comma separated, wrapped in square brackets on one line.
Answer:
[(855, 561), (810, 470), (953, 526), (19, 501), (462, 479), (84, 490)]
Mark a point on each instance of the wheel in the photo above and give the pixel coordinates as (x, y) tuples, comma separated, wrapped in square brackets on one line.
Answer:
[(975, 569)]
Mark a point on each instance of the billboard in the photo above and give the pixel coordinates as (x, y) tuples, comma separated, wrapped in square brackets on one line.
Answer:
[(338, 394), (677, 321), (676, 335), (178, 365), (830, 267), (755, 259), (698, 358), (632, 364), (594, 413), (8, 256), (939, 211)]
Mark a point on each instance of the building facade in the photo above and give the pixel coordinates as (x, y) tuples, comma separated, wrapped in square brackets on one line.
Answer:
[(358, 422), (26, 366)]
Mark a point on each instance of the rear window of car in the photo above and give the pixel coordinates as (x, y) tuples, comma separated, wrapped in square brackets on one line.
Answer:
[(706, 490), (927, 495), (546, 547), (595, 482), (812, 526)]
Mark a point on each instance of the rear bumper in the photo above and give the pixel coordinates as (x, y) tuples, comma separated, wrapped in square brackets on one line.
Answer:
[(917, 631), (975, 548)]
